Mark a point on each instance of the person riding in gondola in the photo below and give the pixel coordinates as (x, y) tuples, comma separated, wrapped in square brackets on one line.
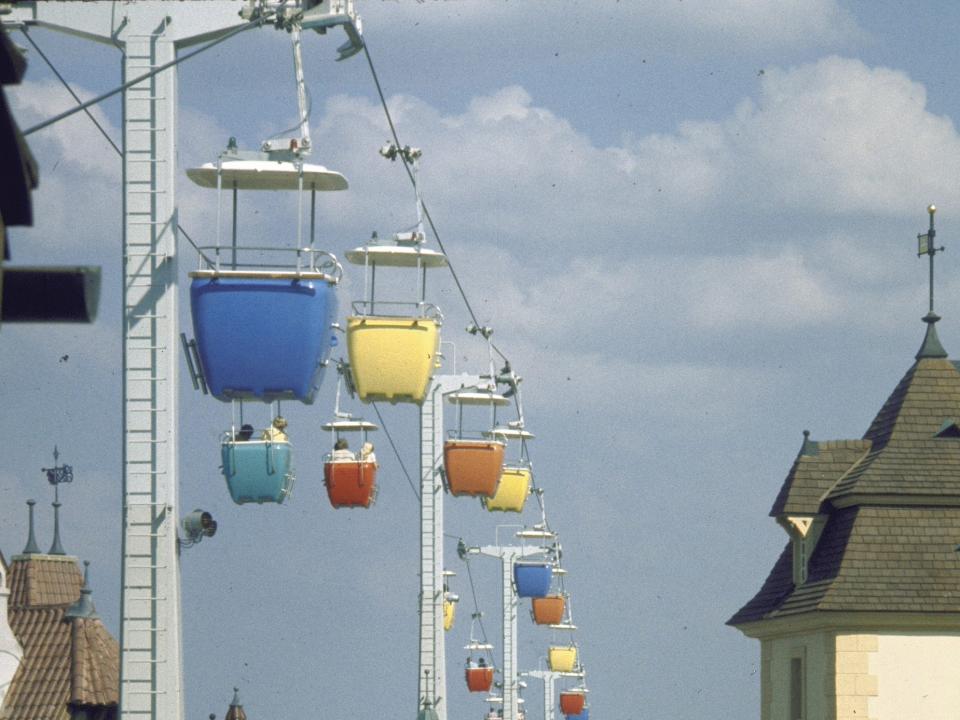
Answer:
[(245, 433), (366, 453), (341, 451), (277, 430)]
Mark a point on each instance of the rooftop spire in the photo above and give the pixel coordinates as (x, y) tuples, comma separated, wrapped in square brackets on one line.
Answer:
[(56, 548), (236, 709), (32, 548), (809, 447), (931, 347), (83, 607)]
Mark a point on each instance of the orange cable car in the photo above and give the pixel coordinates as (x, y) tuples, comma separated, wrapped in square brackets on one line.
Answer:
[(548, 610), (473, 466)]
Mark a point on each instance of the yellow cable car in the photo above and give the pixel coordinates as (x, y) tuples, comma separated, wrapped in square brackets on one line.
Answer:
[(450, 600), (449, 610), (562, 658), (393, 345), (516, 479)]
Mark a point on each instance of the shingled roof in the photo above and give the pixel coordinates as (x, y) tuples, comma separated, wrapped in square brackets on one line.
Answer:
[(891, 503), (68, 662)]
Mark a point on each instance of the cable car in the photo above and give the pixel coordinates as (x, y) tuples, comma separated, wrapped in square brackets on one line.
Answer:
[(394, 344), (478, 672), (263, 315), (473, 465), (350, 478), (573, 701), (516, 478), (562, 658), (450, 600), (548, 610), (256, 470), (532, 579)]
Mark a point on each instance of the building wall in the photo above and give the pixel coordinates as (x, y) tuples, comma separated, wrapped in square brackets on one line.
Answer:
[(816, 652), (917, 676), (10, 651), (863, 676)]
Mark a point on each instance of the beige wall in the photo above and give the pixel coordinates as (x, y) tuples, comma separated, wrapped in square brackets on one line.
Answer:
[(864, 676), (918, 677)]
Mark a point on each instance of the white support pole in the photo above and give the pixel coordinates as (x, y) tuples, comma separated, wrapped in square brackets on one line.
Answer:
[(508, 555), (431, 682), (149, 33), (549, 678)]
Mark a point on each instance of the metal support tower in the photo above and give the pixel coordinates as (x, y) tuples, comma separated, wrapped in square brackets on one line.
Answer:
[(149, 33), (432, 666), (508, 554), (549, 678)]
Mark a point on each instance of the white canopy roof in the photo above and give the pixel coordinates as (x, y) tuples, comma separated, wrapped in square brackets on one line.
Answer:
[(267, 175), (397, 256)]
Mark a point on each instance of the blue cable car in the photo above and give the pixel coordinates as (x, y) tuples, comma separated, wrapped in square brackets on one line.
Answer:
[(263, 316), (257, 471), (532, 579)]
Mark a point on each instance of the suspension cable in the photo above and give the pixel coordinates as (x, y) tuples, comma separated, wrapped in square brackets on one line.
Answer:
[(396, 451), (99, 127), (426, 212), (130, 83)]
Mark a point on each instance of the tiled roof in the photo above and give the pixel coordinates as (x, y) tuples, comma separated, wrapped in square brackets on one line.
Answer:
[(814, 472), (42, 580), (892, 507), (65, 661), (871, 559)]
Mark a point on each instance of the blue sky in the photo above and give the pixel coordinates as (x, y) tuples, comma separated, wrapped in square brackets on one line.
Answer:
[(691, 225)]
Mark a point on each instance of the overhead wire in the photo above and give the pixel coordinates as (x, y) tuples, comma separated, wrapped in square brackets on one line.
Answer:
[(147, 75), (99, 127), (396, 451), (85, 108), (426, 212)]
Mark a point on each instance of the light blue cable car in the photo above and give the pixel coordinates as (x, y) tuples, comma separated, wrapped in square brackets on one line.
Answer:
[(263, 317), (257, 471), (532, 579)]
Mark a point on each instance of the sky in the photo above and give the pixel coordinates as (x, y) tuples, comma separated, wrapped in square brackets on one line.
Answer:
[(692, 227)]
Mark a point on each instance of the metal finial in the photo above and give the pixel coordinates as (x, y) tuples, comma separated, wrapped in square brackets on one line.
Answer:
[(58, 474), (926, 246), (56, 548), (32, 548), (83, 607)]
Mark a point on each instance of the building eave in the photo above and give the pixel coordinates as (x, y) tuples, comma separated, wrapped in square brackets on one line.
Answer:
[(849, 621)]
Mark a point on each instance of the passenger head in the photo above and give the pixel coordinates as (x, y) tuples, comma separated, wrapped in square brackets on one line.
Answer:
[(340, 444), (279, 422), (246, 431), (366, 449)]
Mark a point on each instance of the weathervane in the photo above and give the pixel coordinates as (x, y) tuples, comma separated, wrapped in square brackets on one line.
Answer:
[(925, 246), (58, 474)]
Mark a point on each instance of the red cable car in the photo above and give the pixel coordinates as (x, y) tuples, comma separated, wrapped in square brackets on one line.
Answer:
[(573, 701), (351, 479)]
